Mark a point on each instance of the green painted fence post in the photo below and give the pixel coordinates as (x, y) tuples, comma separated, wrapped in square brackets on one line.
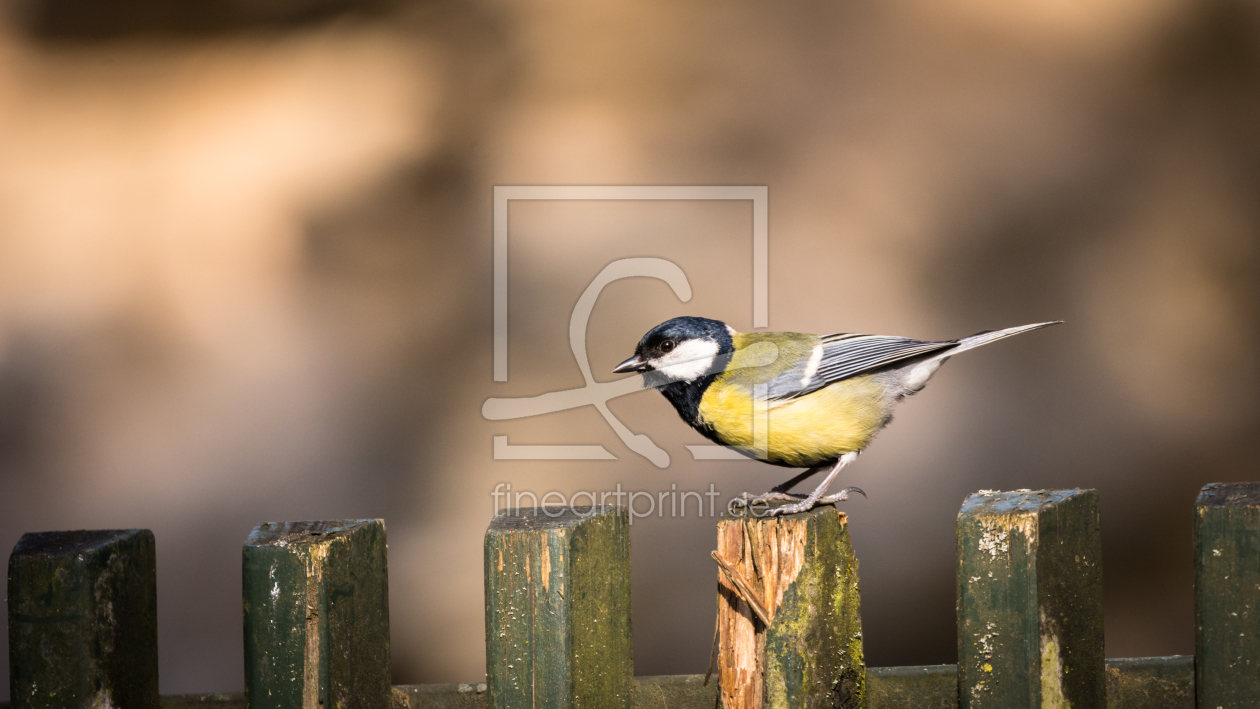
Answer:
[(83, 620), (1030, 618), (1227, 595), (558, 609), (316, 602)]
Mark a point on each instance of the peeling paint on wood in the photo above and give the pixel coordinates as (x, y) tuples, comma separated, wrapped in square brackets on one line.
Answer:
[(1030, 624), (558, 609), (802, 571), (83, 620), (1227, 595), (316, 605)]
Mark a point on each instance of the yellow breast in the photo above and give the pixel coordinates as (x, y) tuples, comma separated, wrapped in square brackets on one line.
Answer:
[(807, 431)]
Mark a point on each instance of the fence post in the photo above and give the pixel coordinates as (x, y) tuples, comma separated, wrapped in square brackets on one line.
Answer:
[(83, 620), (1030, 618), (558, 608), (789, 622), (1227, 595), (316, 603)]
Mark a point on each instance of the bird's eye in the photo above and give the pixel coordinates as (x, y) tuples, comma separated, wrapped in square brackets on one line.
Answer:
[(667, 345)]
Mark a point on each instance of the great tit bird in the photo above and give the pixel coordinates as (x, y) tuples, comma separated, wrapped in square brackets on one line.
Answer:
[(789, 398)]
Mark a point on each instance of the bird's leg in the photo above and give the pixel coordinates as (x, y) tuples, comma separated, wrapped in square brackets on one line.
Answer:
[(814, 497), (784, 487), (778, 492)]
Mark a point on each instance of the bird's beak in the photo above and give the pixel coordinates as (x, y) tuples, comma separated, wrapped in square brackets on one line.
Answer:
[(634, 364)]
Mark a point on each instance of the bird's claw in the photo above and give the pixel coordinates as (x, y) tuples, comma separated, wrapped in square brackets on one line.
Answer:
[(747, 501), (841, 496), (792, 509), (799, 503)]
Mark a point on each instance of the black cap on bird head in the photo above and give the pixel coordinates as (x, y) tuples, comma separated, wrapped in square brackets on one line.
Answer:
[(681, 349)]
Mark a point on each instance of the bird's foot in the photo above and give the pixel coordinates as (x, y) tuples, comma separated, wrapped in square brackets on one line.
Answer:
[(798, 503), (747, 502), (745, 499), (811, 502)]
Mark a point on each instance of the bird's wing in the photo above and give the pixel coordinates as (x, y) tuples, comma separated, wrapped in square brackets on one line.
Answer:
[(844, 355)]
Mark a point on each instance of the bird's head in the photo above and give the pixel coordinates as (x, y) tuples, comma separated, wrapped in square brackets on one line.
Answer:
[(680, 350)]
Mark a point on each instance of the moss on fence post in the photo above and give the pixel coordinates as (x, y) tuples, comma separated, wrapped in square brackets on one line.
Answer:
[(316, 602), (1227, 595), (790, 627), (83, 620), (558, 609), (1030, 620)]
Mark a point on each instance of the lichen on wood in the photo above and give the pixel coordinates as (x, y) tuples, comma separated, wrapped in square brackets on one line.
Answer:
[(802, 570), (558, 609), (83, 620), (1227, 595), (1030, 630), (316, 606)]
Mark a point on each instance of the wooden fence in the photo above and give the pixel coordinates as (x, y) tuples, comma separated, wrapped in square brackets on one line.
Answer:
[(83, 629)]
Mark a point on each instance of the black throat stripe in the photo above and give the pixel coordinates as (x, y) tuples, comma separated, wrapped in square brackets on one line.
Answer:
[(686, 396)]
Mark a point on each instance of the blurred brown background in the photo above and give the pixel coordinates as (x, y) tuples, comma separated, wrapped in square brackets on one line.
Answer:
[(245, 275)]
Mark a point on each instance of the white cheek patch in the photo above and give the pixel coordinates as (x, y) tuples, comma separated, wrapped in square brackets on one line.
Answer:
[(688, 362)]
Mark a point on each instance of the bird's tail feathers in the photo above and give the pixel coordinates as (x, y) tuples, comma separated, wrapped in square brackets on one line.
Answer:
[(984, 338)]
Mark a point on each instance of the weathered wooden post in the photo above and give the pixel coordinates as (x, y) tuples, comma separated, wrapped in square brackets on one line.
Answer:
[(789, 622), (83, 620), (1227, 595), (1030, 618), (317, 616), (558, 608)]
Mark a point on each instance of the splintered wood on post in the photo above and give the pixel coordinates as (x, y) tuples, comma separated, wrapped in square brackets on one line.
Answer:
[(83, 620), (789, 622), (558, 609), (317, 616)]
